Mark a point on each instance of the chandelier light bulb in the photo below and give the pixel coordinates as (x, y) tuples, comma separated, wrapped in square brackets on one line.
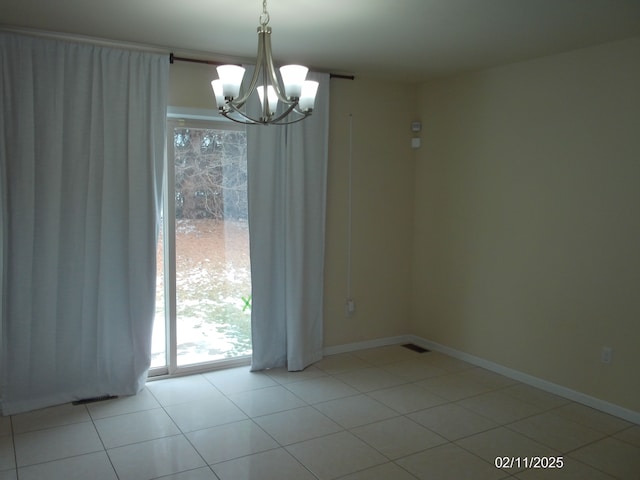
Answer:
[(231, 76), (308, 96), (272, 98), (293, 77), (218, 92)]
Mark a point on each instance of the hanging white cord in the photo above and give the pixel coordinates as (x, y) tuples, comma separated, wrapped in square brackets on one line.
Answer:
[(349, 305)]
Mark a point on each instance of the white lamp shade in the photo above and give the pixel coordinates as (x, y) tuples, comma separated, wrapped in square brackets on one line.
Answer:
[(217, 91), (308, 96), (292, 77), (231, 76), (272, 98)]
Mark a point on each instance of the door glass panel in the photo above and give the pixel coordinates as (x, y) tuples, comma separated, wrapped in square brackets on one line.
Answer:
[(209, 233), (213, 279)]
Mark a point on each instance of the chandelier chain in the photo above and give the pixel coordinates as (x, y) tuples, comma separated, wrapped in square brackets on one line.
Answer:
[(264, 18)]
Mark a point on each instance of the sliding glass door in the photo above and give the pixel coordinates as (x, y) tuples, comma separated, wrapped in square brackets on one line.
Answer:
[(203, 307)]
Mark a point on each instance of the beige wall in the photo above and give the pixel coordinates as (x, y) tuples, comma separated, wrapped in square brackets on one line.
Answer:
[(382, 171), (190, 85), (527, 219)]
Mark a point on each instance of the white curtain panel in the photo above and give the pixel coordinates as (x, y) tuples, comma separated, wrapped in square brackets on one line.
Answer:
[(287, 176), (82, 135)]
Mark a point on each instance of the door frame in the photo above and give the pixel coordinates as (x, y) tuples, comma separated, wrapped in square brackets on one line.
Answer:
[(175, 120)]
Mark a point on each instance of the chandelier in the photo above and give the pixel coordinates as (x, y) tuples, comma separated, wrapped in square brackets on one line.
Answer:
[(293, 92)]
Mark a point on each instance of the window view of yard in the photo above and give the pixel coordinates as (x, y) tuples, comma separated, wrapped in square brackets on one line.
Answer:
[(213, 280)]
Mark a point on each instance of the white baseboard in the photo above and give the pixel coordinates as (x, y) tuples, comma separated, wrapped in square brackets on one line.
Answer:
[(593, 402)]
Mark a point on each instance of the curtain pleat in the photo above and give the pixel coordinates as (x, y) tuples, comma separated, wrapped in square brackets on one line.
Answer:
[(83, 140), (287, 174)]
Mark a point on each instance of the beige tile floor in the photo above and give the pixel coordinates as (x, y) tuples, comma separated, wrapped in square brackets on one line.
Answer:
[(385, 413)]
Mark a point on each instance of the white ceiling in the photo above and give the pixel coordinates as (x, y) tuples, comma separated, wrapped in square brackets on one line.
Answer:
[(412, 40)]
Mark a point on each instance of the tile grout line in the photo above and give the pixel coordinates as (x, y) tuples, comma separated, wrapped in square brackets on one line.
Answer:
[(182, 433), (593, 443), (455, 402), (394, 461), (251, 418), (106, 452), (398, 414), (17, 468), (313, 406), (613, 435), (13, 444)]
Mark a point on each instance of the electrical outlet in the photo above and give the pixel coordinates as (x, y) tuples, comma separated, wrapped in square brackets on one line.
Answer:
[(350, 306), (606, 355)]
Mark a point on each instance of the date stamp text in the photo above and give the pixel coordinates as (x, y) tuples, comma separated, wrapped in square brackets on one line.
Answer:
[(529, 462)]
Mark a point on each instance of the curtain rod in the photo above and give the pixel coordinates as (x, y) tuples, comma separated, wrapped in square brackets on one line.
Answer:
[(174, 58)]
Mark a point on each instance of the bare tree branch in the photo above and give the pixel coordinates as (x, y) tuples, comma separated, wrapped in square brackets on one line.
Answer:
[(210, 173)]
